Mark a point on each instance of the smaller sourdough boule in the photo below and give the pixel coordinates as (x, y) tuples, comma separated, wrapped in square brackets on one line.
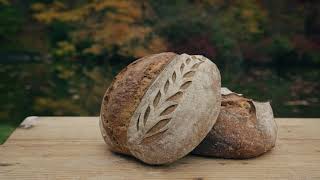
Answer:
[(244, 129), (159, 108)]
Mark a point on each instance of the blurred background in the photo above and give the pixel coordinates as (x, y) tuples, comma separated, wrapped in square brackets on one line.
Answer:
[(57, 57)]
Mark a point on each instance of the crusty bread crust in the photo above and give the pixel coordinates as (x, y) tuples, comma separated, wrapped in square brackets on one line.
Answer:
[(177, 111), (124, 95), (244, 129)]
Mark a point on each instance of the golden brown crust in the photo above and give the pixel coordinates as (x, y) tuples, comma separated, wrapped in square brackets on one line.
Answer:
[(237, 132), (165, 126), (124, 95)]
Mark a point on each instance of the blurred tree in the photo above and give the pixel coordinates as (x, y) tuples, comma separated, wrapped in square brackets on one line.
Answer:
[(79, 93), (215, 28), (4, 2), (101, 26), (10, 22)]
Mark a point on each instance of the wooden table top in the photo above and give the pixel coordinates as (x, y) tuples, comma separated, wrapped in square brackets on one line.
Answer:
[(72, 148)]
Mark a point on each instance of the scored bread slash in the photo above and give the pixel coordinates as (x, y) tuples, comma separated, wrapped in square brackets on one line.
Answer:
[(169, 117)]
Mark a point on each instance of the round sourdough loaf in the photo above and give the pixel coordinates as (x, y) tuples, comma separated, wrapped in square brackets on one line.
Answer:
[(159, 108), (244, 129)]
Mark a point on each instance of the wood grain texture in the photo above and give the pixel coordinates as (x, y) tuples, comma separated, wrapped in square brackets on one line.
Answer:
[(72, 148)]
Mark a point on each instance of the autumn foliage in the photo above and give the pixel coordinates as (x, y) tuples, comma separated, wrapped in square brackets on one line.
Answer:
[(109, 25)]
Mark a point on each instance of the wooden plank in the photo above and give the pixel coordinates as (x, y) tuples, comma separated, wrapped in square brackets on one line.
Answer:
[(72, 148)]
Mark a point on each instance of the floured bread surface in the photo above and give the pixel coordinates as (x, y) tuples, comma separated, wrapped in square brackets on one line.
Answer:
[(124, 95), (176, 112), (244, 129)]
